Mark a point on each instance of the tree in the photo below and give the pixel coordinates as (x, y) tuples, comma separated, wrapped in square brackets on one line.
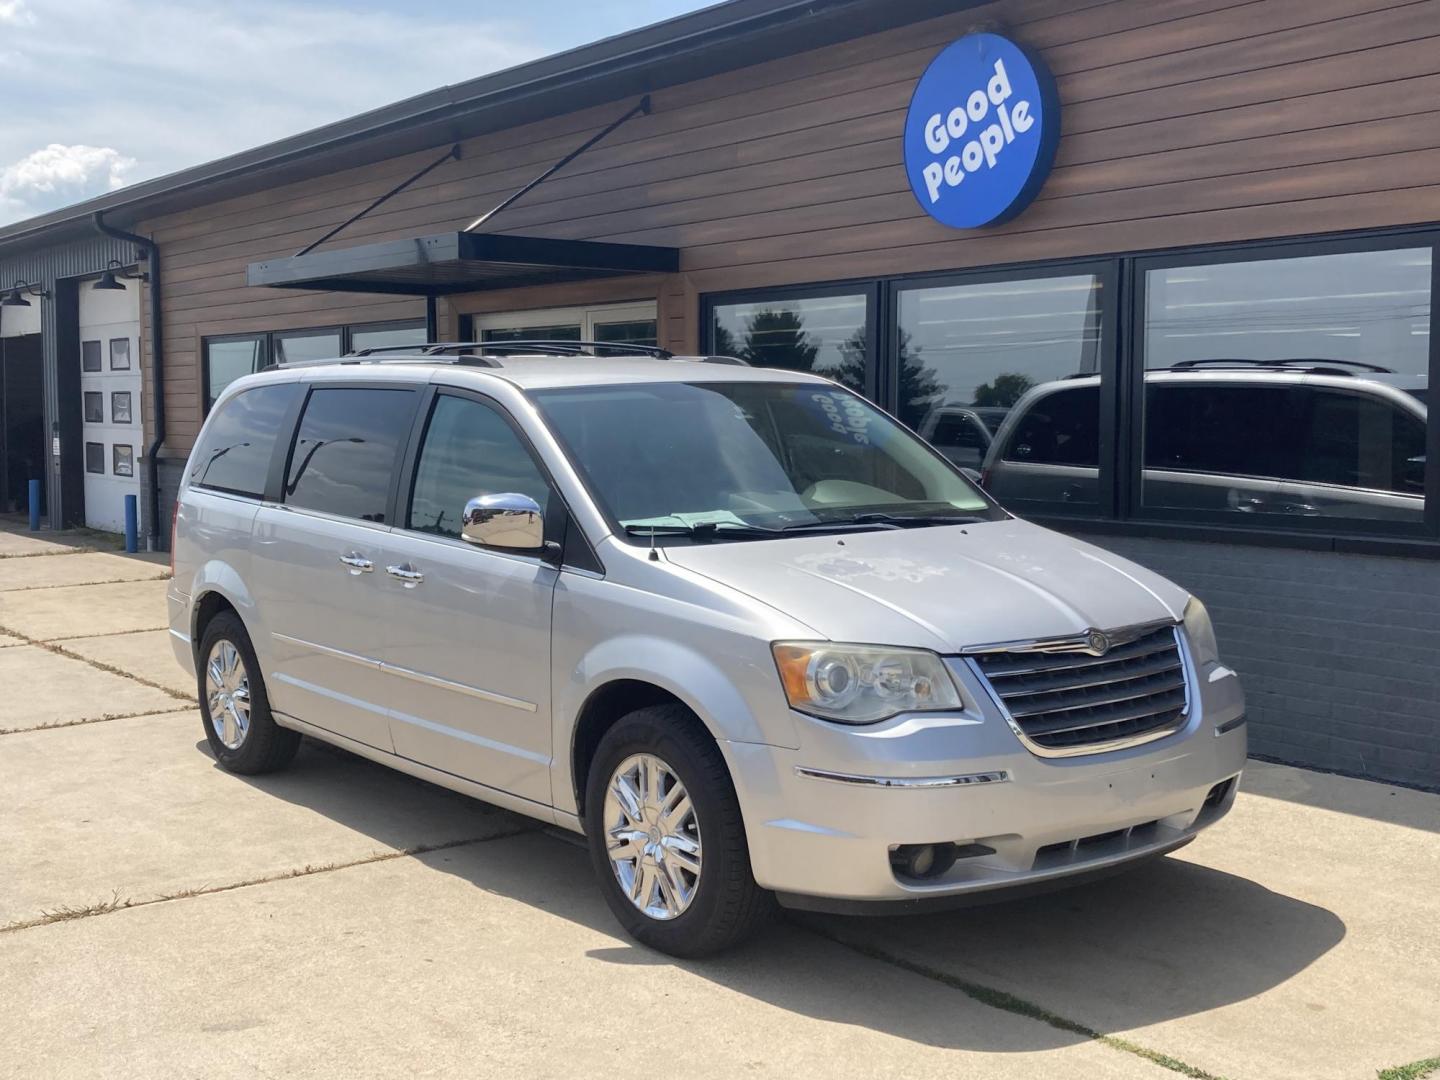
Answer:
[(1005, 391), (724, 342), (918, 382), (777, 339)]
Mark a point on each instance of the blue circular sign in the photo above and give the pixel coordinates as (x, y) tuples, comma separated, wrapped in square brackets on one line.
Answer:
[(981, 132)]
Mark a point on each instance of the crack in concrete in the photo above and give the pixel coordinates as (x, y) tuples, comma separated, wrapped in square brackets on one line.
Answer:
[(53, 724), (85, 584), (1007, 1002), (115, 903), (59, 650)]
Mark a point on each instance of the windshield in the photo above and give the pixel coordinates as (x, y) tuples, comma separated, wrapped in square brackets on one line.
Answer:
[(746, 458)]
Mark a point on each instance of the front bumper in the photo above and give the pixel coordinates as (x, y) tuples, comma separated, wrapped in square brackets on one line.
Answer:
[(822, 820)]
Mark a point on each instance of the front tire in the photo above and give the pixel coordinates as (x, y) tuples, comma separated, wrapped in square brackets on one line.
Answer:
[(666, 836), (234, 707)]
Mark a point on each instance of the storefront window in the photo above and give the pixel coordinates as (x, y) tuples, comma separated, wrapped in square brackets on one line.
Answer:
[(299, 345), (826, 335), (386, 335), (1005, 375), (227, 359), (1291, 387)]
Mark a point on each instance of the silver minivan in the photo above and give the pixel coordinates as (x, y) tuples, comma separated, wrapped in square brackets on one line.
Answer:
[(751, 637)]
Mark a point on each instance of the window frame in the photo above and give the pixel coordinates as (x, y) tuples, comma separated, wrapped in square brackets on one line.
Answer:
[(1122, 363), (871, 290), (1106, 273), (1132, 507), (266, 339)]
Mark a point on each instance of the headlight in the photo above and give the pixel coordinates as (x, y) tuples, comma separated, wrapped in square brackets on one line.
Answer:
[(862, 684), (1203, 649)]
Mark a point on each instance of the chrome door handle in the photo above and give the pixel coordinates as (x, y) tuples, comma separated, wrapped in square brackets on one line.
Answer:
[(357, 563), (406, 573)]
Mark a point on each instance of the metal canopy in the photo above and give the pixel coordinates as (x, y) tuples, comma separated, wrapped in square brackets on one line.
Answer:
[(456, 262)]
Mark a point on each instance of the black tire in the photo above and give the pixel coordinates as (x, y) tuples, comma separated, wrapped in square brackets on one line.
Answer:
[(727, 905), (266, 746)]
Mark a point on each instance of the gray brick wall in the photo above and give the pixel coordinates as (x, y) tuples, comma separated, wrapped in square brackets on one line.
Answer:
[(1339, 653), (171, 470)]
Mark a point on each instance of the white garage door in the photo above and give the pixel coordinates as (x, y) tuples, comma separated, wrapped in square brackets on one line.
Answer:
[(110, 401)]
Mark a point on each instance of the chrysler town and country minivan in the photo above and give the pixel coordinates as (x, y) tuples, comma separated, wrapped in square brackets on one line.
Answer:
[(747, 634)]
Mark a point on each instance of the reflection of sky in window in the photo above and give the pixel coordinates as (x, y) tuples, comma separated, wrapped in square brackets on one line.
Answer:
[(1369, 306), (968, 335)]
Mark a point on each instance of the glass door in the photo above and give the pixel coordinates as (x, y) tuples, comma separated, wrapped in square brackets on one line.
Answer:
[(622, 324)]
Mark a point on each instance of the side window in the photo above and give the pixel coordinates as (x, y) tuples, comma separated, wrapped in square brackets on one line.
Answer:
[(469, 450), (1061, 428), (234, 451), (346, 451), (1356, 440), (1222, 430)]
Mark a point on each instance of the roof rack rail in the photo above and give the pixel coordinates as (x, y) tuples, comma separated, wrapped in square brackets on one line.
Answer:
[(1328, 367), (462, 360), (488, 354), (542, 345)]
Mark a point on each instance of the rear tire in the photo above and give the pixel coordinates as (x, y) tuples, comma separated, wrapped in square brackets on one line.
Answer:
[(234, 707), (678, 881)]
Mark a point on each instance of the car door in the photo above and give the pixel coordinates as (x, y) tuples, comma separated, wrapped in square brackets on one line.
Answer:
[(468, 628), (318, 559)]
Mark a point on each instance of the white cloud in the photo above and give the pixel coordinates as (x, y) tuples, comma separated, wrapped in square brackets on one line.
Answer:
[(59, 174), (15, 13)]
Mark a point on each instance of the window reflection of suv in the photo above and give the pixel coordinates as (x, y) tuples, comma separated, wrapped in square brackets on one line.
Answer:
[(739, 628), (1308, 438)]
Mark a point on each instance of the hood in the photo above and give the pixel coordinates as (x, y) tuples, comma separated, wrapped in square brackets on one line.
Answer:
[(941, 588)]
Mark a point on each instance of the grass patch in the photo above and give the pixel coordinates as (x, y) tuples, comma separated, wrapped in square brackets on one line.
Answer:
[(1416, 1070), (1007, 1002)]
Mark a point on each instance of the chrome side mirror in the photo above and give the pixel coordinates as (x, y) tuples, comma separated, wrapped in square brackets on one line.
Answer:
[(509, 521)]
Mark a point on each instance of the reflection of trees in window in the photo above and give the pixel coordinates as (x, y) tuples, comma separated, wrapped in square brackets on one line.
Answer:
[(1004, 391), (777, 339), (919, 383), (724, 342)]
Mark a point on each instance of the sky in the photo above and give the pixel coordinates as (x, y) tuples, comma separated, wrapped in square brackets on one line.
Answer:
[(104, 93)]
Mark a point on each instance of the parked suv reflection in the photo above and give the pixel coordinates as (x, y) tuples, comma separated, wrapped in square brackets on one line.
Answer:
[(1308, 438)]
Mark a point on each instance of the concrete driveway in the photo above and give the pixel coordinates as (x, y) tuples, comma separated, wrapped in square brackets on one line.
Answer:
[(159, 917)]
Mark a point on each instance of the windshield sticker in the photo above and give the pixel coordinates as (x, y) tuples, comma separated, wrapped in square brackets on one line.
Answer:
[(843, 415)]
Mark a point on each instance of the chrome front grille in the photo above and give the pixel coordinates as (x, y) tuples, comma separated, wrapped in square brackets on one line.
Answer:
[(1090, 693)]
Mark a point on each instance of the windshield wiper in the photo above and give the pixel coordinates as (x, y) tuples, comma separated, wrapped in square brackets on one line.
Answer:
[(709, 530), (901, 520)]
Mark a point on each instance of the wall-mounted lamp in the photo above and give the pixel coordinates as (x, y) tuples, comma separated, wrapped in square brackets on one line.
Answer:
[(15, 297), (108, 278)]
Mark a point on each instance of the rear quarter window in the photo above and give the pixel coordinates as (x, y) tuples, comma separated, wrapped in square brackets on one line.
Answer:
[(1061, 428), (234, 451)]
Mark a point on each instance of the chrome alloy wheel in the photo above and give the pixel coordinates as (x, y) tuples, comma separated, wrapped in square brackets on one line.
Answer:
[(227, 693), (652, 836)]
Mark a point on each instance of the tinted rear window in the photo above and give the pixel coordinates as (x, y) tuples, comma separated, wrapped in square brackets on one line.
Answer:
[(233, 454), (1061, 428), (346, 451)]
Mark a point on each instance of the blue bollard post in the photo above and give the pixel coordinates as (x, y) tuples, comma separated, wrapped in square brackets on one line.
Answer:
[(132, 530), (34, 505)]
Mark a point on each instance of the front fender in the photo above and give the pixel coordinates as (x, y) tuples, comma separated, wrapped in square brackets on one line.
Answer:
[(749, 709)]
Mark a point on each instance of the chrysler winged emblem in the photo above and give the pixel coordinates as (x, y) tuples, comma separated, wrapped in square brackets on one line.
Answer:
[(1097, 642)]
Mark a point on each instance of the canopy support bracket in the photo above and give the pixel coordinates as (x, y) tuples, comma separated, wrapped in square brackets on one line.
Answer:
[(643, 106), (452, 153)]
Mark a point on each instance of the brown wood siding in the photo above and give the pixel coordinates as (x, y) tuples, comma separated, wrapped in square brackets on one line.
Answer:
[(1185, 122)]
